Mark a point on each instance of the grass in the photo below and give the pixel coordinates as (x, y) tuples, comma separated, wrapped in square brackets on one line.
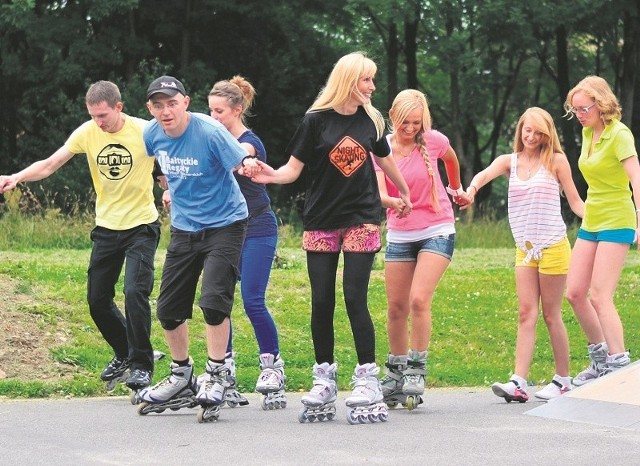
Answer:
[(474, 311)]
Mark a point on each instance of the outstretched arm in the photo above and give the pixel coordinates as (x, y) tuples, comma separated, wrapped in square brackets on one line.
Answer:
[(37, 170), (500, 166), (285, 174)]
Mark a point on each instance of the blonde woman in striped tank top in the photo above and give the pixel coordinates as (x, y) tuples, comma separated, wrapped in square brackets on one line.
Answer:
[(538, 172)]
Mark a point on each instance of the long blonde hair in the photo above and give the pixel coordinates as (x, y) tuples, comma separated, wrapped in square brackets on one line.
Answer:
[(542, 122), (405, 102), (341, 83), (598, 89)]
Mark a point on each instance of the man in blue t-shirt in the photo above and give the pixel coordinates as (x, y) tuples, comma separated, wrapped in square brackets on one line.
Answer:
[(208, 225)]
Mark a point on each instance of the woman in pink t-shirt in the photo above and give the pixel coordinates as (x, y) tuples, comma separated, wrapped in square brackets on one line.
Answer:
[(419, 246)]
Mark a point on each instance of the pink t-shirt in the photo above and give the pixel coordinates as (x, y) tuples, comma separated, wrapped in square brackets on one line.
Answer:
[(414, 171)]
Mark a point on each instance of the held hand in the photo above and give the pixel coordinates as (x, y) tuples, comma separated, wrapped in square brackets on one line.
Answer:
[(166, 200), (466, 199), (250, 167), (264, 175), (162, 182), (398, 206), (408, 207)]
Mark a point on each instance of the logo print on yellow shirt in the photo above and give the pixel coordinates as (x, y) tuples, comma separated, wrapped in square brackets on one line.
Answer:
[(347, 156), (114, 161)]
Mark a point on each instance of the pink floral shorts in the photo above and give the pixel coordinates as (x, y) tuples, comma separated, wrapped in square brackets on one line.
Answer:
[(358, 238)]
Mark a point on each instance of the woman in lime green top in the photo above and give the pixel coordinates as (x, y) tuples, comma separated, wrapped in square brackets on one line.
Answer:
[(609, 163)]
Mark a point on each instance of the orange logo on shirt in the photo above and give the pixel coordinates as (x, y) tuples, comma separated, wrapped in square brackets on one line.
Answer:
[(347, 156)]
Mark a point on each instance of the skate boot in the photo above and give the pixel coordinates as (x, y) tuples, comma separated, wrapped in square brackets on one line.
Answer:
[(513, 390), (174, 392), (391, 383), (212, 392), (232, 396), (271, 382), (558, 386), (117, 371), (138, 379), (598, 355), (365, 403), (320, 402), (615, 362), (413, 378)]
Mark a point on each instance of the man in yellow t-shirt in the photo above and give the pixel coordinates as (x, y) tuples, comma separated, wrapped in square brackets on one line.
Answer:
[(127, 229)]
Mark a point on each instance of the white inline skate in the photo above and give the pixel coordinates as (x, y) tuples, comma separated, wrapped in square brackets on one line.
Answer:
[(233, 397), (271, 382), (413, 379), (366, 401), (212, 391), (320, 402), (174, 392)]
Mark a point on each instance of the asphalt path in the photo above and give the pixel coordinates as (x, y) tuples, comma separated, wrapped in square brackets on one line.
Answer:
[(462, 426)]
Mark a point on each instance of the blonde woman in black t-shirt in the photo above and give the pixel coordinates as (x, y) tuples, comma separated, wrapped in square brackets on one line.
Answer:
[(341, 213)]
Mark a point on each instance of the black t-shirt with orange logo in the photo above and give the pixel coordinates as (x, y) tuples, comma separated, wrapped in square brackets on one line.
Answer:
[(342, 190)]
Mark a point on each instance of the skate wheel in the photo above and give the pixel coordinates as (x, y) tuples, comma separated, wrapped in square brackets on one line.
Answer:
[(232, 404), (142, 408), (352, 418), (373, 418), (133, 398), (411, 403), (302, 416), (331, 416), (382, 417), (392, 404), (321, 417), (264, 404), (200, 415)]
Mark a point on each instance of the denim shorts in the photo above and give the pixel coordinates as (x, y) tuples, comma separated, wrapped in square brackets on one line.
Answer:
[(408, 252), (621, 235)]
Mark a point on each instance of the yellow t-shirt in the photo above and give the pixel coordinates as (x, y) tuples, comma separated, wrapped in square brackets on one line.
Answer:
[(609, 205), (121, 172)]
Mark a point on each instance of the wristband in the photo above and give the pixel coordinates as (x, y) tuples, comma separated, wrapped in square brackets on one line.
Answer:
[(248, 157), (474, 187), (455, 192)]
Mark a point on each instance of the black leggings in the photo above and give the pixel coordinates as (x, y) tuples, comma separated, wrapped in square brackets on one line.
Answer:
[(322, 268)]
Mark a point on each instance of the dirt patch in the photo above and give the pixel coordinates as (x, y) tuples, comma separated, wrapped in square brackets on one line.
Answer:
[(25, 340)]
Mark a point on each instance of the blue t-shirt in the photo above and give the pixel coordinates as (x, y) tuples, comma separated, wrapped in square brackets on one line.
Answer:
[(262, 220), (198, 166)]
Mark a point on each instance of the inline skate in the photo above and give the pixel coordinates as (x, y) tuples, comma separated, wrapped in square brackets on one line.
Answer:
[(320, 402), (598, 355), (413, 379), (233, 397), (212, 391), (140, 378), (271, 382), (174, 392), (117, 371), (365, 404), (391, 383)]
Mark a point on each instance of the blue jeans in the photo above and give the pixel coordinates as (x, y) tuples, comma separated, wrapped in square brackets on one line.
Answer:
[(135, 249), (255, 269)]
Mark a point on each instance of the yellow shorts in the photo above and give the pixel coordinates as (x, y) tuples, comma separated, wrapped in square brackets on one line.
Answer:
[(554, 260)]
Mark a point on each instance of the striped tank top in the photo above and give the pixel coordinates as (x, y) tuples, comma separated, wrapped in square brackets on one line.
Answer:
[(534, 211)]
